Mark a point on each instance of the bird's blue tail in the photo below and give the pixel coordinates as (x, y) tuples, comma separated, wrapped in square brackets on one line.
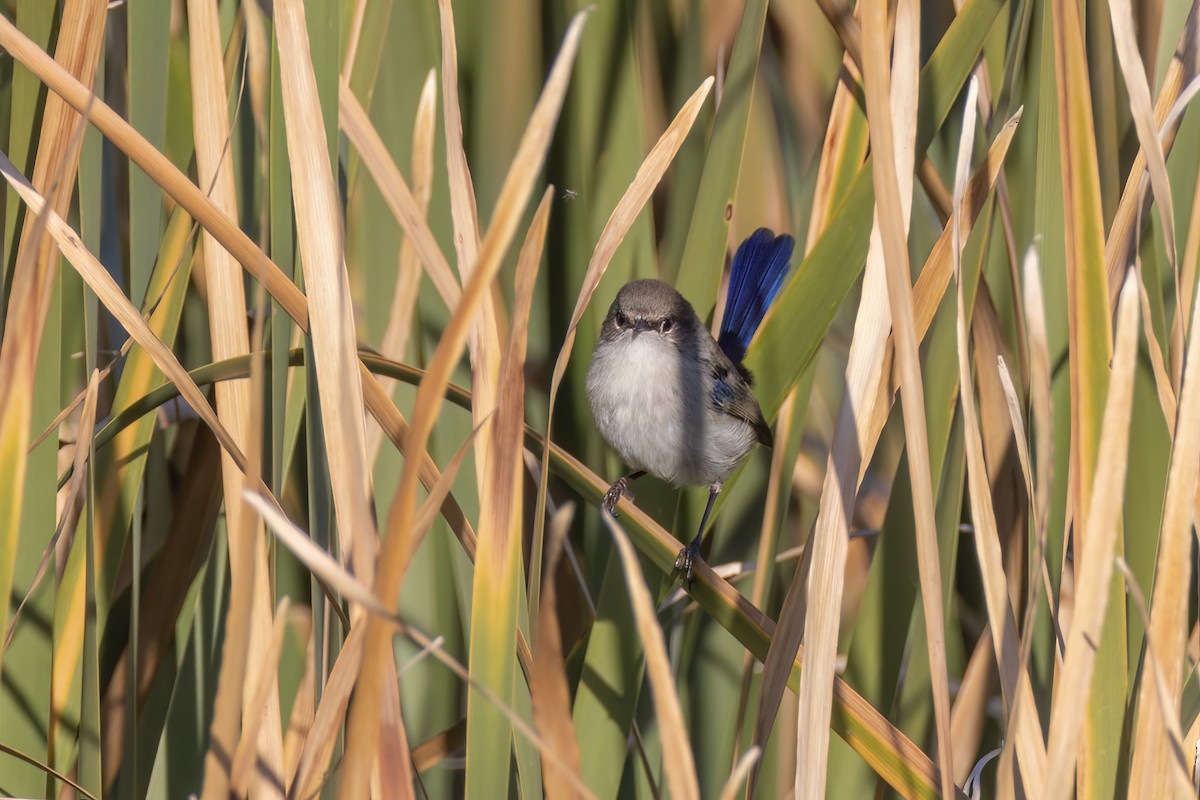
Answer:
[(757, 275)]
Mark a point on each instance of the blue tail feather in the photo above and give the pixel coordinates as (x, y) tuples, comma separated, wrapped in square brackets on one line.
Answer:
[(759, 267)]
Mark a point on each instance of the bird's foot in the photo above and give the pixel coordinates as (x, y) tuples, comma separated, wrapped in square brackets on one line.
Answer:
[(687, 557), (615, 493)]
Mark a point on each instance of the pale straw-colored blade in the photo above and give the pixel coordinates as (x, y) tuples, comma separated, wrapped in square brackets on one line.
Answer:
[(678, 762), (331, 318), (1095, 563)]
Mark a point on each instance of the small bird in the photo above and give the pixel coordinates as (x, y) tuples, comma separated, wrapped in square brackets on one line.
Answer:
[(670, 399)]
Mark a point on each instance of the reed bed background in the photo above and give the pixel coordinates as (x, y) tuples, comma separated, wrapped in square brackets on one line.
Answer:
[(298, 482)]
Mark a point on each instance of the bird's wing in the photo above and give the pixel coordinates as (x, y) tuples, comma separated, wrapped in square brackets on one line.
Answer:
[(731, 394)]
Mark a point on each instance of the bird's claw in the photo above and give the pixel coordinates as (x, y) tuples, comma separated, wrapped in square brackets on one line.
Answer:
[(614, 494), (687, 557)]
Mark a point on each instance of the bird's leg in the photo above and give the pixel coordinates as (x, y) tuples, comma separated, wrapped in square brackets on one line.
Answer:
[(618, 490), (688, 555)]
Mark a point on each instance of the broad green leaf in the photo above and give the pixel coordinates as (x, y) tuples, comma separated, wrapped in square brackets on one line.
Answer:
[(148, 82), (699, 270)]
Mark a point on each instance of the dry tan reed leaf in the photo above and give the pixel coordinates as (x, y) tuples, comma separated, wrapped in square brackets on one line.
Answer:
[(356, 27), (1168, 613), (678, 761), (741, 771), (1186, 95), (836, 149), (393, 773), (1039, 556), (1191, 744), (263, 681), (226, 231), (463, 210), (230, 338), (312, 556), (173, 247), (1184, 282), (1134, 71), (1095, 563), (1003, 205), (1039, 383), (1013, 679), (364, 723), (893, 229), (313, 766), (988, 342), (1015, 419), (1191, 255), (78, 52), (227, 716), (1121, 232), (1168, 710), (498, 451), (1158, 365), (653, 167), (813, 605), (438, 747), (484, 344), (396, 193), (548, 682), (319, 223), (846, 23), (408, 277), (969, 715), (1167, 387)]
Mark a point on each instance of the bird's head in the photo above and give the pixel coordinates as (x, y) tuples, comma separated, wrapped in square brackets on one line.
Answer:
[(649, 307)]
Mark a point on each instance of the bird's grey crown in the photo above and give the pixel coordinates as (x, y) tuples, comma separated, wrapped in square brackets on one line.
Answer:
[(651, 300)]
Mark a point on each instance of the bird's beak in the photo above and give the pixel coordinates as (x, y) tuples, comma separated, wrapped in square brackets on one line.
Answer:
[(641, 326)]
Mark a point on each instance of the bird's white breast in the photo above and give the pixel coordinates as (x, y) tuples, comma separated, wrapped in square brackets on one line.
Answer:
[(659, 417)]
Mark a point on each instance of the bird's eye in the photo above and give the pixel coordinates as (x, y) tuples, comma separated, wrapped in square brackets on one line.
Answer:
[(622, 320), (666, 325)]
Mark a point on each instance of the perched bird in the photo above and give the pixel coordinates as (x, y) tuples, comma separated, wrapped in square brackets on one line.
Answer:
[(667, 397)]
